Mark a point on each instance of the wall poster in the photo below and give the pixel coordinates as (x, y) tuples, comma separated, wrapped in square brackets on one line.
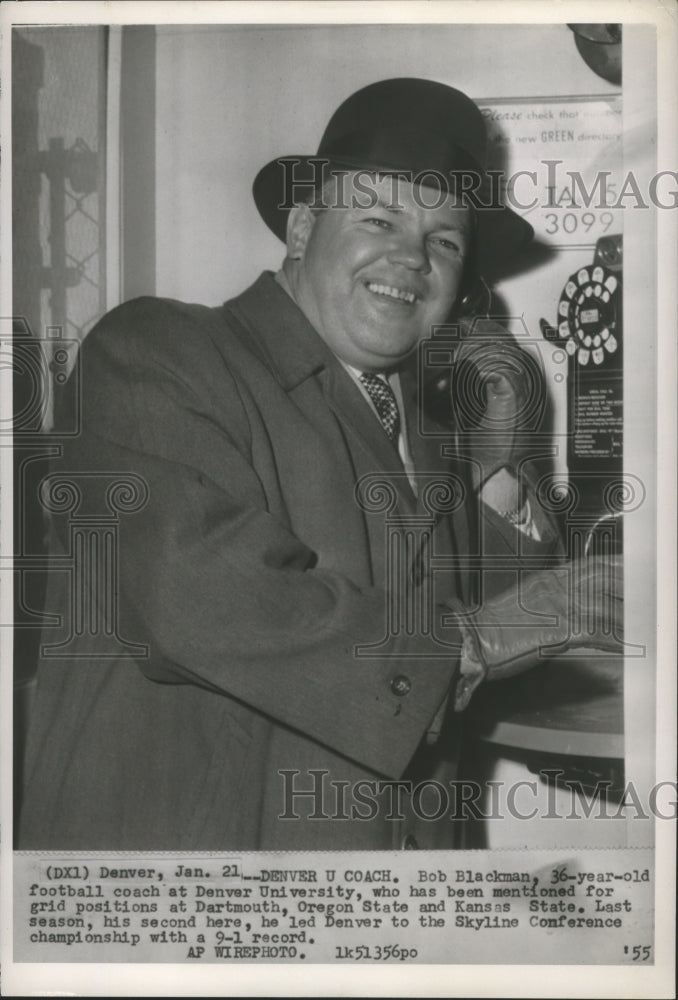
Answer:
[(338, 609)]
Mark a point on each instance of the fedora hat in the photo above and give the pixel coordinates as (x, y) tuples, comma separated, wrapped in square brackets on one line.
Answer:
[(428, 132)]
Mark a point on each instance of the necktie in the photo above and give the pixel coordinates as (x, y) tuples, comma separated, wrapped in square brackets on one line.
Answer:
[(381, 394)]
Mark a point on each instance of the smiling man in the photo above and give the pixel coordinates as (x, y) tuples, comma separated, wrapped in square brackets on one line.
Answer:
[(374, 279), (289, 663)]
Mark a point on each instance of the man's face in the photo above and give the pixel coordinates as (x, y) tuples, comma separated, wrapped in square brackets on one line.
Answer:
[(374, 281)]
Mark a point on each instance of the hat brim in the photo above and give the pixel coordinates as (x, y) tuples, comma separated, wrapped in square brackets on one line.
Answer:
[(501, 233)]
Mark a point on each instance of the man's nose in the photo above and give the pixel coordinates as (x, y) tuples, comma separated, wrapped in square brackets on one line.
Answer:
[(410, 251)]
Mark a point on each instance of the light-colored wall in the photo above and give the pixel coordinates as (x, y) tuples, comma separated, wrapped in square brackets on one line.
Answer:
[(231, 98)]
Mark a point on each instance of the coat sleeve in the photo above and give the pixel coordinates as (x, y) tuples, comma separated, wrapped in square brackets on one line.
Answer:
[(221, 591)]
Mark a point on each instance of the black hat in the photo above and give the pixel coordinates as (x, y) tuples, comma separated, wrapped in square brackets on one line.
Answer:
[(424, 129)]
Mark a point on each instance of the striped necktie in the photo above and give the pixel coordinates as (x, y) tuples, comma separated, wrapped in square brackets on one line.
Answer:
[(382, 396)]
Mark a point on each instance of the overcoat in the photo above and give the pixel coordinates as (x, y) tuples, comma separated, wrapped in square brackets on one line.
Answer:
[(267, 614)]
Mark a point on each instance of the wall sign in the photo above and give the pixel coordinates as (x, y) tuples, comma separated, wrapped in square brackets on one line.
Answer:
[(560, 161)]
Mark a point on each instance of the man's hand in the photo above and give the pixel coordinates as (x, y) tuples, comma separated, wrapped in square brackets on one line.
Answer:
[(577, 604), (494, 386)]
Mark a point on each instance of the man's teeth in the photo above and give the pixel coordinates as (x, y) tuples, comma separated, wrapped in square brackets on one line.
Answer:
[(394, 293)]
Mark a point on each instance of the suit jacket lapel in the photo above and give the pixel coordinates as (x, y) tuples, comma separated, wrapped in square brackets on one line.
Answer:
[(293, 351), (347, 401)]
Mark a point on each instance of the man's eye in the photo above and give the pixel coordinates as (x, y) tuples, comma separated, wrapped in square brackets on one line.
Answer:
[(448, 244), (380, 223)]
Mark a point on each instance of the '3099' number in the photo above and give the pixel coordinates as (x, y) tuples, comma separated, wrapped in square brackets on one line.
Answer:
[(570, 222)]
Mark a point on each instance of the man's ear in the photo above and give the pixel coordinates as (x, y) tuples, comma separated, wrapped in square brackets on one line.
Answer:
[(300, 224)]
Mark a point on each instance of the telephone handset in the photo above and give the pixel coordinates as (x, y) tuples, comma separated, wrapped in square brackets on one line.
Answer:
[(475, 299)]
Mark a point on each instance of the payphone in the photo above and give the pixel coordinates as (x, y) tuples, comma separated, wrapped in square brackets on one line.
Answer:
[(565, 725), (589, 326)]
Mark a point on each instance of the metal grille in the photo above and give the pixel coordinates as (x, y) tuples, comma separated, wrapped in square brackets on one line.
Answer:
[(69, 143)]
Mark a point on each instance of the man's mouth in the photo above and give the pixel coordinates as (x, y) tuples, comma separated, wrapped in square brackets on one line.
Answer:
[(391, 292)]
